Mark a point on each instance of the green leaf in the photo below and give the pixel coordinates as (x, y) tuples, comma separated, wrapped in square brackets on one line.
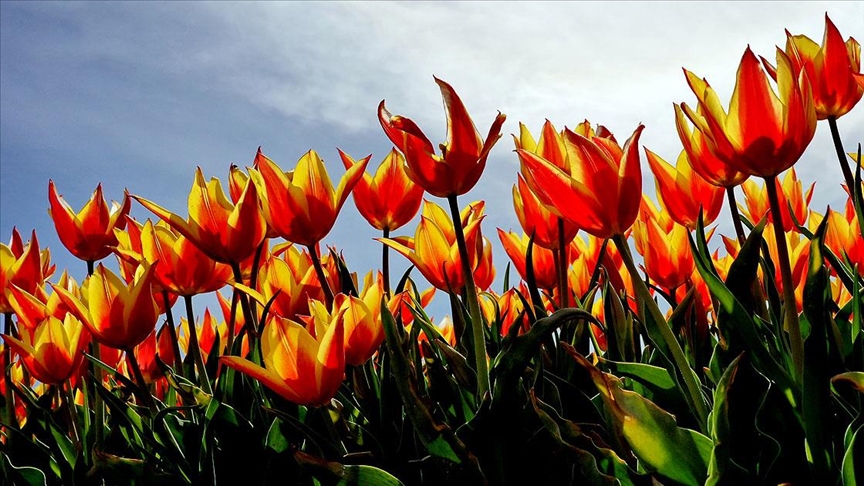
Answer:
[(367, 475), (650, 376), (852, 470), (676, 453), (25, 475), (276, 439)]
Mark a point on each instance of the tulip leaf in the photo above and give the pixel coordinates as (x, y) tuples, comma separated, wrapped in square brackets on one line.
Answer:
[(852, 470), (854, 378), (276, 439), (738, 318), (816, 395), (24, 475), (676, 453), (367, 475), (651, 376)]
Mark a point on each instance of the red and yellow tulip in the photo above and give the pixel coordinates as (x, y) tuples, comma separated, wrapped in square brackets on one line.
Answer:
[(52, 351), (301, 205), (763, 133), (463, 156), (226, 232), (389, 199), (88, 234), (20, 266), (831, 69), (116, 314), (683, 193), (543, 261), (599, 191), (304, 365)]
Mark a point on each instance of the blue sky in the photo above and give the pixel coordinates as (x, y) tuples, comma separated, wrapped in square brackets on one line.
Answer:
[(137, 94)]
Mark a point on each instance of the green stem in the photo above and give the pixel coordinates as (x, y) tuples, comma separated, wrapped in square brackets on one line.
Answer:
[(9, 411), (144, 391), (322, 277), (172, 333), (195, 348), (563, 264), (385, 264), (841, 155), (479, 339), (691, 384), (736, 216), (99, 420), (232, 322), (790, 314), (244, 303)]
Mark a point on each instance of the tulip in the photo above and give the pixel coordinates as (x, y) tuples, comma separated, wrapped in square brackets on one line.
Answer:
[(157, 344), (117, 315), (537, 220), (130, 254), (763, 134), (289, 283), (550, 146), (462, 158), (667, 256), (756, 199), (301, 205), (843, 236), (389, 199), (21, 266), (53, 350), (183, 269), (700, 153), (684, 193), (303, 365), (830, 68), (225, 232), (542, 260), (599, 191), (434, 251), (89, 234)]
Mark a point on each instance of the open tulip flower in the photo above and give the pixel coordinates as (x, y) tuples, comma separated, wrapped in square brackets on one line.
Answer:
[(21, 266), (289, 282), (516, 247), (434, 251), (700, 154), (536, 219), (117, 315), (463, 156), (53, 350), (550, 146), (301, 205), (790, 192), (763, 134), (682, 192), (88, 234), (667, 256), (304, 365), (843, 235), (831, 69), (183, 269), (389, 199), (599, 191), (226, 232)]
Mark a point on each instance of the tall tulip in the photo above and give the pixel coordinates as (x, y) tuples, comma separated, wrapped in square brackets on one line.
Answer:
[(463, 156), (226, 232), (304, 365), (683, 192), (117, 315), (599, 191), (88, 234)]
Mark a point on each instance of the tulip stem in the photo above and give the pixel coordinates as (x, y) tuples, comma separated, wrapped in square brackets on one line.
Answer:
[(736, 216), (691, 383), (244, 303), (195, 348), (172, 333), (90, 267), (96, 382), (9, 411), (385, 263), (143, 391), (232, 322), (838, 146), (477, 326), (253, 275), (790, 314), (322, 277), (563, 264)]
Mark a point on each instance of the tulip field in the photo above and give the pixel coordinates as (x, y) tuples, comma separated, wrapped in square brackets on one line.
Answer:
[(632, 343)]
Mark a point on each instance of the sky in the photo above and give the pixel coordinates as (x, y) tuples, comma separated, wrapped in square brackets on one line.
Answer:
[(137, 94)]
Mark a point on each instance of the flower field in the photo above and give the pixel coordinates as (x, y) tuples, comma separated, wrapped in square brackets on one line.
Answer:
[(622, 348)]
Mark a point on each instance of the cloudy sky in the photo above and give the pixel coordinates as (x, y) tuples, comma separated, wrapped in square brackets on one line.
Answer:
[(137, 94)]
